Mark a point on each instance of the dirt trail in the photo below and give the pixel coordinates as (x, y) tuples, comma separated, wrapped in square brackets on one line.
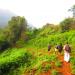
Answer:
[(65, 69)]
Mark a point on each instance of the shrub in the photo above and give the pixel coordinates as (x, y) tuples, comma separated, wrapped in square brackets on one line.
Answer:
[(73, 71), (14, 60), (58, 64), (73, 65), (47, 67), (54, 72), (44, 68)]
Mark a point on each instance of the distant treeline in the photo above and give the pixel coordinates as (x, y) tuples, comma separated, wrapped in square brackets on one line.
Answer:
[(19, 30)]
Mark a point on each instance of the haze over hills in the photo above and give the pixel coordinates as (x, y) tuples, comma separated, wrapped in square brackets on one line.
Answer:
[(5, 16)]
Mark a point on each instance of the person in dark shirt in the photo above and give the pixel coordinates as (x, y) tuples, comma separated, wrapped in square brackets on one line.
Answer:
[(59, 48), (49, 47)]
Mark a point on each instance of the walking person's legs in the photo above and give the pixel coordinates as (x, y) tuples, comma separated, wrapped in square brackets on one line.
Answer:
[(66, 56)]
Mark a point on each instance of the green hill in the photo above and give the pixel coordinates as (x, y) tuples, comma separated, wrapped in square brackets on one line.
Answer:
[(23, 50), (17, 60)]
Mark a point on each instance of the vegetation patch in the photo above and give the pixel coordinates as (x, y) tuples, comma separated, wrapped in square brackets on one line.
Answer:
[(58, 63), (15, 60), (55, 72)]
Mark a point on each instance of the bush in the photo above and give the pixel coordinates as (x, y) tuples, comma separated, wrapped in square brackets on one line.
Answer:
[(41, 42), (73, 69), (73, 65), (44, 68), (52, 58), (4, 44), (14, 60), (47, 67), (58, 64), (54, 72)]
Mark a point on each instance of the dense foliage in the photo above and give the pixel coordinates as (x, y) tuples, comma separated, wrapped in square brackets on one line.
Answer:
[(31, 46), (15, 30), (67, 24), (13, 59)]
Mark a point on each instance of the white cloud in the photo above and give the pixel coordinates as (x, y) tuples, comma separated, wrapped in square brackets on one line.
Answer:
[(38, 12)]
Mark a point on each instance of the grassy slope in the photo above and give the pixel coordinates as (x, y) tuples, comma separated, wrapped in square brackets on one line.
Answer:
[(42, 41), (16, 61), (13, 59)]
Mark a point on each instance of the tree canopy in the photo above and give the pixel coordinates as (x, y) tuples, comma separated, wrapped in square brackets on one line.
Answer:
[(67, 24)]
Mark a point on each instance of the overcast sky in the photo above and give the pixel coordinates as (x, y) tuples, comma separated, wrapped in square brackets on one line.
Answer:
[(39, 12)]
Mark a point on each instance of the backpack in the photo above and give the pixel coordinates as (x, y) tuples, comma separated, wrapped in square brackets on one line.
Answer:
[(67, 48), (59, 47)]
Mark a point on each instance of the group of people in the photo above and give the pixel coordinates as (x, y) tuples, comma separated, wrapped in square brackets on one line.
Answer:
[(59, 48)]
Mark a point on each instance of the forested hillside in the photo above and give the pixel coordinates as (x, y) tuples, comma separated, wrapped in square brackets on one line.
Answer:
[(23, 50)]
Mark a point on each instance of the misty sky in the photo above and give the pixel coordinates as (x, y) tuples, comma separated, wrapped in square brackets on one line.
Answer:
[(39, 12)]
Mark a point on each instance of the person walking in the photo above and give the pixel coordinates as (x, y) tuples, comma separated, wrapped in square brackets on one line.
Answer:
[(67, 50), (49, 47), (58, 48)]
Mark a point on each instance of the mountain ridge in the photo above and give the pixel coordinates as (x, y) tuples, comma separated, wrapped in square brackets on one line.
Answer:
[(5, 16)]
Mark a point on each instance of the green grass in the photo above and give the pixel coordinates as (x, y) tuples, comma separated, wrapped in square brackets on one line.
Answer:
[(58, 63), (11, 60), (41, 42), (16, 61), (73, 64), (54, 72), (45, 68)]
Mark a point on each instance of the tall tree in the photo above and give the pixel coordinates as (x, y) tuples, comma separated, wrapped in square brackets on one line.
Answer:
[(67, 24), (16, 28), (73, 10)]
